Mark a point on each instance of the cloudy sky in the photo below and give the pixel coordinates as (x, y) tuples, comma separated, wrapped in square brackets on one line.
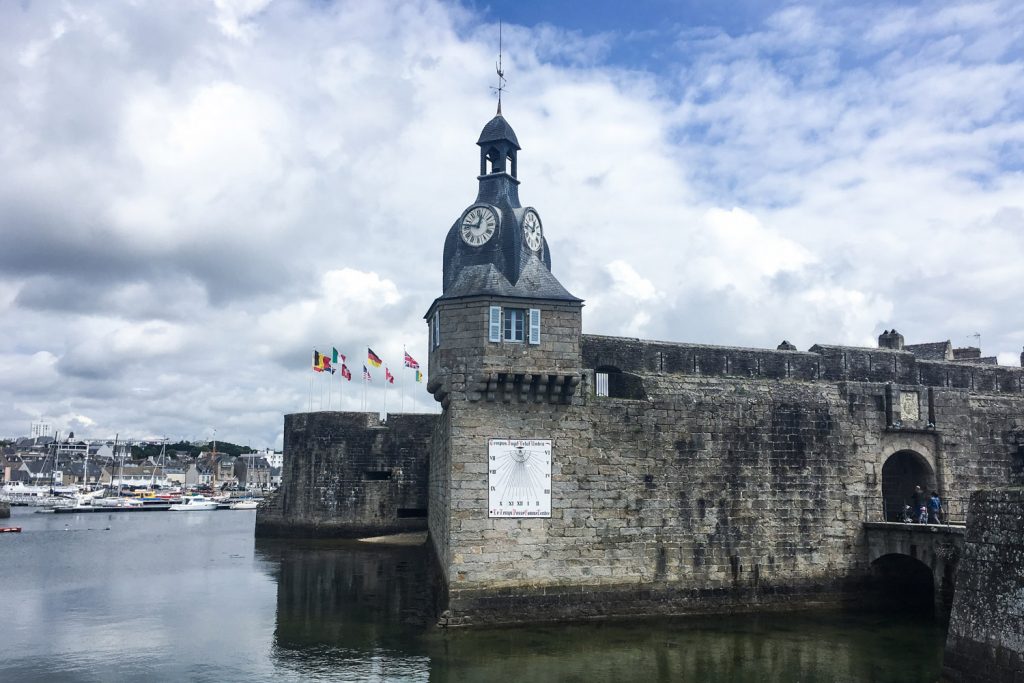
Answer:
[(197, 194)]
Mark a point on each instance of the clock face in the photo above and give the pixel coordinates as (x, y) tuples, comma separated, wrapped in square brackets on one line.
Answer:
[(519, 477), (478, 226), (532, 231)]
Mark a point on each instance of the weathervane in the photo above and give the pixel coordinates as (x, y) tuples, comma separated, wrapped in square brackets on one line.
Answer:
[(501, 72)]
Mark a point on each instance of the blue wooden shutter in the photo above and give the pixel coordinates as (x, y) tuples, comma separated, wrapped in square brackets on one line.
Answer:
[(535, 326), (494, 327)]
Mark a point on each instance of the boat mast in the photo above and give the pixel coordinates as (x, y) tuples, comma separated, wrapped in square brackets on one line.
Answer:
[(113, 461)]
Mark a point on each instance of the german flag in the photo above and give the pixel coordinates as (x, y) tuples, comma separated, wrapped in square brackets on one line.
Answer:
[(372, 358)]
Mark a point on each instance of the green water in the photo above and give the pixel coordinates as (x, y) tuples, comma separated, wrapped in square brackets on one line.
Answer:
[(192, 596)]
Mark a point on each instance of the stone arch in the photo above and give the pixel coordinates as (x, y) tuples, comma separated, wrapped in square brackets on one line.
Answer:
[(902, 583), (893, 442), (901, 472)]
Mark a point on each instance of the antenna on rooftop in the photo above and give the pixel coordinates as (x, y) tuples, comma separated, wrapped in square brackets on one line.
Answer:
[(501, 72)]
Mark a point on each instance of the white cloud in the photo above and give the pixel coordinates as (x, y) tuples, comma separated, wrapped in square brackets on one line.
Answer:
[(198, 195)]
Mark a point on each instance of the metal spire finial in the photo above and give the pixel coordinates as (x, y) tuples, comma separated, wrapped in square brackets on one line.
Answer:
[(500, 70)]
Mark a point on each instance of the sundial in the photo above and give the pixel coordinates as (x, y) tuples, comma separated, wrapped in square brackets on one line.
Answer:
[(519, 477)]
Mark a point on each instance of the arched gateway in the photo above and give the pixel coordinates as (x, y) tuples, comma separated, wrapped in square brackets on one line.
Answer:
[(901, 473)]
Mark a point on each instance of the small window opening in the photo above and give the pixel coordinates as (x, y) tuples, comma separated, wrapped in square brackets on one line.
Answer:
[(377, 475), (515, 321), (412, 513)]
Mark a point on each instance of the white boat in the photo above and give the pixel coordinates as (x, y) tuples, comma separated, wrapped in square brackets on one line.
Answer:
[(18, 488), (190, 503), (250, 504), (115, 502)]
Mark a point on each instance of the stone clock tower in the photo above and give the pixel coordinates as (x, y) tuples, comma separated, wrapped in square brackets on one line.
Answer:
[(504, 329), (505, 364)]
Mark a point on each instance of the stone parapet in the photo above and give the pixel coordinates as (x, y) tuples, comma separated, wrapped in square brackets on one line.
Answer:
[(820, 363)]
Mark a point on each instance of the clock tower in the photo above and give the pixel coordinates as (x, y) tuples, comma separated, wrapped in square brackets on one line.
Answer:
[(504, 328), (505, 364)]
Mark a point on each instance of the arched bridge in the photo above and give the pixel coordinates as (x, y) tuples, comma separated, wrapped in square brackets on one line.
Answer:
[(904, 552)]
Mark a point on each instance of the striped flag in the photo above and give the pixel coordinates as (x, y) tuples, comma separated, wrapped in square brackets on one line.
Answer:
[(372, 358), (419, 376), (366, 374), (345, 372), (335, 356), (410, 362), (317, 366), (388, 377)]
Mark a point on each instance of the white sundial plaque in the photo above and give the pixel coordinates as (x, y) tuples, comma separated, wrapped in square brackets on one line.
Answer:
[(519, 477)]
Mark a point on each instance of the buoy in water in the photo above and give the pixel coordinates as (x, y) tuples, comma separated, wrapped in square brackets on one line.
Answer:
[(10, 529)]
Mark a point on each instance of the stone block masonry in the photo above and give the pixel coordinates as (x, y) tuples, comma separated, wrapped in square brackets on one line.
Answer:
[(350, 475), (727, 478), (985, 643)]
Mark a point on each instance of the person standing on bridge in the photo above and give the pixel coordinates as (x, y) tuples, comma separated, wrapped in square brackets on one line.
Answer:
[(935, 509), (918, 500)]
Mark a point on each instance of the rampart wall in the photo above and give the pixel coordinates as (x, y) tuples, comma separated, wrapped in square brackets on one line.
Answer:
[(985, 642), (732, 478), (350, 475)]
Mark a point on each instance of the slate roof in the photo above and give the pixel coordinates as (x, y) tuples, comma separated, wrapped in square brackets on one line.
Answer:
[(931, 351), (498, 129), (535, 282)]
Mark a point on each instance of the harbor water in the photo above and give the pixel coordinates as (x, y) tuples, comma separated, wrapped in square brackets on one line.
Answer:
[(192, 596)]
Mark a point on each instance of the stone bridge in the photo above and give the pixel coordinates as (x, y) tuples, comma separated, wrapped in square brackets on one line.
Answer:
[(917, 560)]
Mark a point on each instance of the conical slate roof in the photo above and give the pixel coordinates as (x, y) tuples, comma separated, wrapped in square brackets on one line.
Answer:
[(498, 129)]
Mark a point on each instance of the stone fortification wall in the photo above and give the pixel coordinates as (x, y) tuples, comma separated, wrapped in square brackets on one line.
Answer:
[(822, 362), (743, 484), (348, 474), (986, 631)]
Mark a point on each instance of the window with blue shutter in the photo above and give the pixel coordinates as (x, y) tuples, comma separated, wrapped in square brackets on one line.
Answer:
[(535, 326), (494, 325), (515, 324)]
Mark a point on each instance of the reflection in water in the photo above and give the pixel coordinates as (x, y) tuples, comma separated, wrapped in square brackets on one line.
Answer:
[(348, 609), (187, 597), (364, 612)]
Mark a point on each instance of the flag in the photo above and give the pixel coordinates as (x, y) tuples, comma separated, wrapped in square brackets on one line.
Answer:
[(419, 376), (410, 362), (388, 377), (316, 362), (335, 356), (366, 374), (325, 363), (372, 358), (345, 372)]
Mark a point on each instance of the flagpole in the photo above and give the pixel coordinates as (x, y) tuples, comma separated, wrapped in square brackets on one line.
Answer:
[(386, 383)]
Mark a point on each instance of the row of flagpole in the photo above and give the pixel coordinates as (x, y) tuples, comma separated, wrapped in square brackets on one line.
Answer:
[(325, 363)]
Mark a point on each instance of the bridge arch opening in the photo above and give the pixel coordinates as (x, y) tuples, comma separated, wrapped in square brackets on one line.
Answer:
[(901, 472), (903, 584)]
